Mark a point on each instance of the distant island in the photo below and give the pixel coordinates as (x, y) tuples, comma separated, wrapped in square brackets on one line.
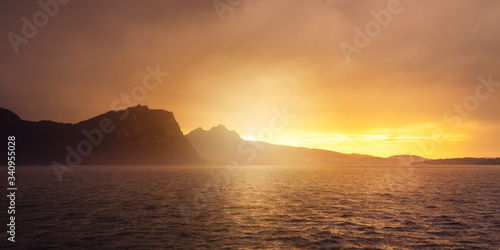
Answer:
[(461, 161), (142, 136)]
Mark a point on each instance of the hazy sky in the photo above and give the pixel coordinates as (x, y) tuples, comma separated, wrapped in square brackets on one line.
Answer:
[(411, 74)]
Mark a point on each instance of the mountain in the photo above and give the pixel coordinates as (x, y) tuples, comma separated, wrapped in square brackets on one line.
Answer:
[(139, 135), (136, 135), (219, 145)]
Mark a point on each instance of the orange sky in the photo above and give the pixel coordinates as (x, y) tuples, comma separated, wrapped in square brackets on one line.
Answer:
[(402, 87)]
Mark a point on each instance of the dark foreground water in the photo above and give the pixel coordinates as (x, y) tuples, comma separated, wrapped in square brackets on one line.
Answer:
[(150, 207)]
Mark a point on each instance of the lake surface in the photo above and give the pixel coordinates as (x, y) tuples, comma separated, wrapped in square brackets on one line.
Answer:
[(309, 207)]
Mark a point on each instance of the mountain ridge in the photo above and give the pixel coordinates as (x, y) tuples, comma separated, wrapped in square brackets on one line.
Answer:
[(139, 135), (220, 145), (136, 135), (462, 161)]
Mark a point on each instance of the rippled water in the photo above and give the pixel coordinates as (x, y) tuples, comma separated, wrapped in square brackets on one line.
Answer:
[(258, 207)]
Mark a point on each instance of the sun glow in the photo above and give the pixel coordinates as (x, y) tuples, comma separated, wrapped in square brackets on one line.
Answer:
[(249, 137), (383, 145)]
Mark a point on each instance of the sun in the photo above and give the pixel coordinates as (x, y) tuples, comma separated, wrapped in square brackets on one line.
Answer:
[(249, 137)]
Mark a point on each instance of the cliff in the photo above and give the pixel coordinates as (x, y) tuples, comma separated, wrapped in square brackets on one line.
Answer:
[(137, 135)]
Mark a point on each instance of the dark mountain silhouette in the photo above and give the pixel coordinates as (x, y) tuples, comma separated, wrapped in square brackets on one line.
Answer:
[(219, 145), (137, 135), (461, 161)]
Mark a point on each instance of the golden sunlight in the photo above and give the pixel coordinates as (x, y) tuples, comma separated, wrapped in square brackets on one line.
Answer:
[(383, 145)]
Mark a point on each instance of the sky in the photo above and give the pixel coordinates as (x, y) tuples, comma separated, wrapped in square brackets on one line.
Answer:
[(379, 77)]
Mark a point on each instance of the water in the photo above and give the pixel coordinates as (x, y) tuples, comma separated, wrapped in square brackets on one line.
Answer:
[(146, 207)]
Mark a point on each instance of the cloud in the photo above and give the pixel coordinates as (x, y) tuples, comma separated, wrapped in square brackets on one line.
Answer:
[(265, 54)]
